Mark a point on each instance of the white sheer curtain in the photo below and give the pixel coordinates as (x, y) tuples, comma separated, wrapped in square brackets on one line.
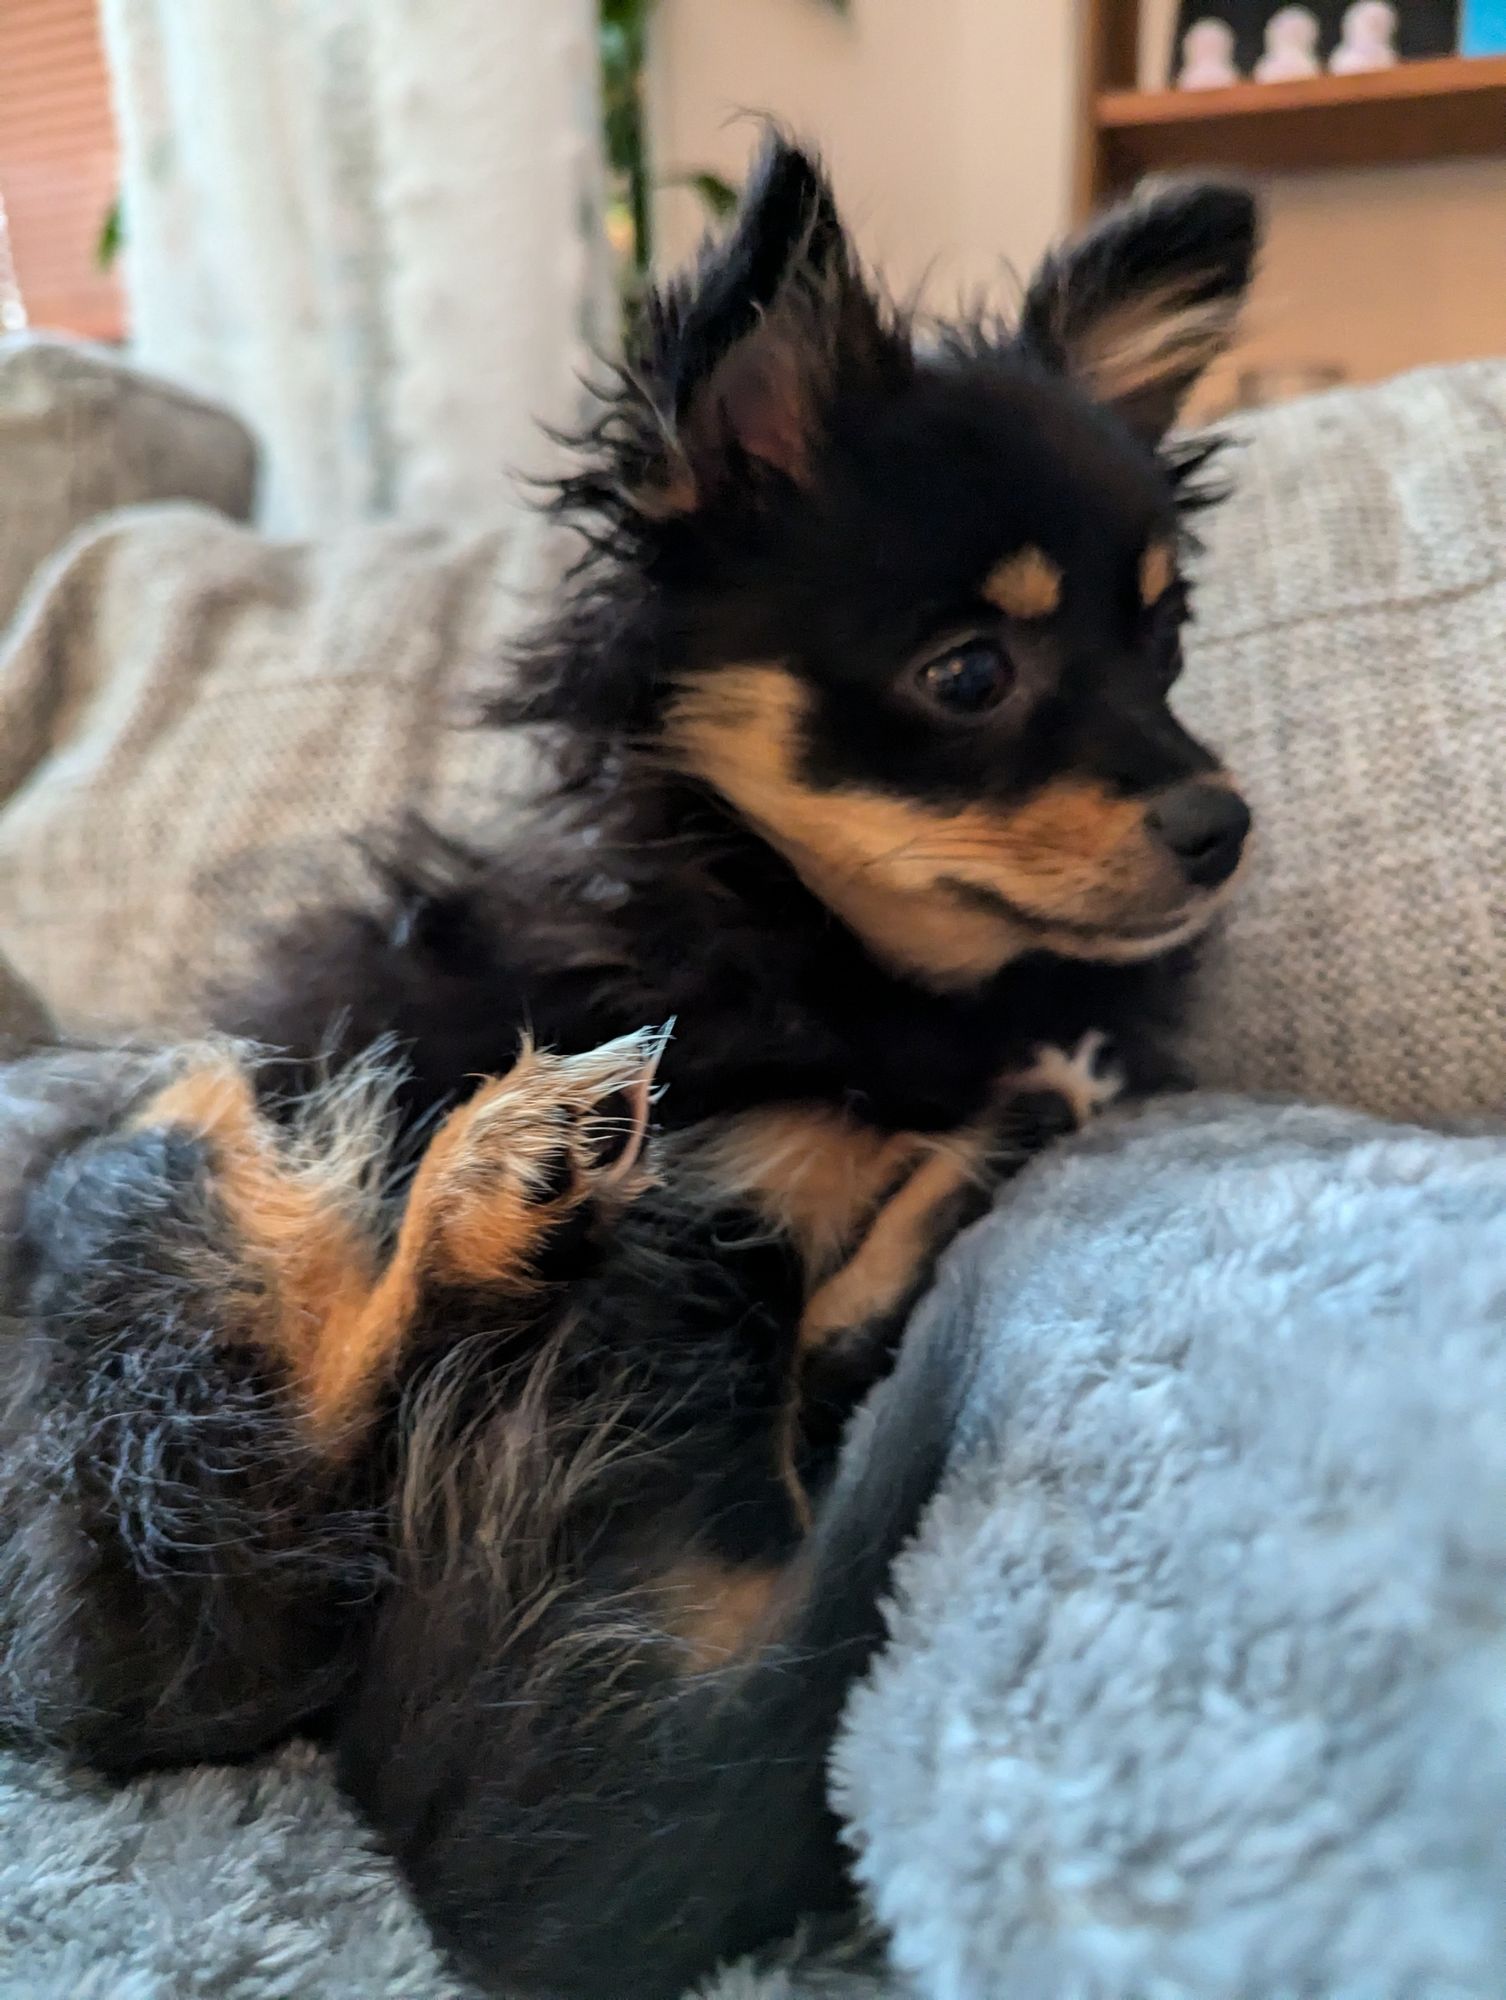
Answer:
[(371, 227)]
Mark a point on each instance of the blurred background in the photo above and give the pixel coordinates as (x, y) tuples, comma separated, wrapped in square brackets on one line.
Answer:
[(390, 234)]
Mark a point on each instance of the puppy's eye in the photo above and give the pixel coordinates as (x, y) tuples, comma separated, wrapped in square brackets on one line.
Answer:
[(969, 680)]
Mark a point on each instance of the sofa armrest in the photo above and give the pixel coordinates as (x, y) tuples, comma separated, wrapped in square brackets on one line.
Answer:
[(81, 433)]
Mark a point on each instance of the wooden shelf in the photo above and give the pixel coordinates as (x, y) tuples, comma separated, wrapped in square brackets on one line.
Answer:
[(1416, 111)]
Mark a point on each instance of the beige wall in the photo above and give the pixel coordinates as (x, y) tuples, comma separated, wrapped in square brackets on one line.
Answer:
[(951, 125), (1381, 271)]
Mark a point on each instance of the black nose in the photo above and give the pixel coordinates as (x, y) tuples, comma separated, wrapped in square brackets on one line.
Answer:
[(1204, 826)]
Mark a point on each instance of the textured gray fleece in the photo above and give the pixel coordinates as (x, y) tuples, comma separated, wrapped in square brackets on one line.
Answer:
[(1198, 1684)]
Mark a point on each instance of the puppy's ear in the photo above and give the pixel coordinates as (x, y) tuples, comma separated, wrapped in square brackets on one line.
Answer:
[(1138, 305), (743, 358)]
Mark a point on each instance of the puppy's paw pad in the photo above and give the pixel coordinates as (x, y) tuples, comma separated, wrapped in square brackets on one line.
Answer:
[(1088, 1077)]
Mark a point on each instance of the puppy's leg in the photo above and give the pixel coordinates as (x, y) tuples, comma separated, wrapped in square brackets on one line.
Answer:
[(1061, 1091), (183, 1571), (283, 1223), (502, 1175), (888, 1266), (203, 1321), (864, 1212), (530, 1151), (853, 1319), (867, 1211), (597, 1711)]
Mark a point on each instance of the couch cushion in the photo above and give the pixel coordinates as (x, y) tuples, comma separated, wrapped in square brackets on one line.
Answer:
[(1350, 658), (196, 723), (81, 433), (23, 1018)]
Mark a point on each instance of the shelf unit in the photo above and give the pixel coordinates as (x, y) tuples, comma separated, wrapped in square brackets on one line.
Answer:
[(1416, 111)]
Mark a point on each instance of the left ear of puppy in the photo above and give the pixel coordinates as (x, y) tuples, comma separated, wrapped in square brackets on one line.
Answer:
[(734, 374), (743, 357), (1137, 306)]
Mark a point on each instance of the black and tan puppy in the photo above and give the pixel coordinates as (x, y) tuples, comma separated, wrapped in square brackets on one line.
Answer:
[(437, 1406)]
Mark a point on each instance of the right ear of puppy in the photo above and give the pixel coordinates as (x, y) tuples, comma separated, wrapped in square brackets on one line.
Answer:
[(1137, 306), (741, 358)]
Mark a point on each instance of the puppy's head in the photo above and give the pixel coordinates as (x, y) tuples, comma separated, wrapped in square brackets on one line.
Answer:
[(915, 615)]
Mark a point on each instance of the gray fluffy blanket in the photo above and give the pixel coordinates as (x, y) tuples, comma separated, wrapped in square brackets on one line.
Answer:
[(1198, 1677)]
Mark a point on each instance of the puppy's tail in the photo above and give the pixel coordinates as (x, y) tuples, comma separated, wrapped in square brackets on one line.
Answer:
[(602, 1829), (751, 1845)]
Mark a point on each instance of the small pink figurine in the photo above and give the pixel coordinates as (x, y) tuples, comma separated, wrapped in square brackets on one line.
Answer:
[(1291, 47), (1369, 39), (1207, 57)]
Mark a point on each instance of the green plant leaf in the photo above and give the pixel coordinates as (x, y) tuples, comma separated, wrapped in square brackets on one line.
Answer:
[(111, 240), (623, 35), (719, 196)]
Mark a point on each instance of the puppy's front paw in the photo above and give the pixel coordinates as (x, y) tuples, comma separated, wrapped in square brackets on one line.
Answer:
[(1063, 1089), (529, 1151)]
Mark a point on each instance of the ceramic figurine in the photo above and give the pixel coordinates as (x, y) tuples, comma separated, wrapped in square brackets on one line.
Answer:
[(1207, 57), (1368, 41), (1291, 47)]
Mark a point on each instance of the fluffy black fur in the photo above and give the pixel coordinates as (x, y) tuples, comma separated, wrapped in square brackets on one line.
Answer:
[(474, 1590), (638, 892), (479, 1604), (620, 1825)]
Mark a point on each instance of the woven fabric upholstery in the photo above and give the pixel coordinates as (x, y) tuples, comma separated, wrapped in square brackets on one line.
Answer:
[(23, 1018), (1350, 659), (196, 724), (80, 433)]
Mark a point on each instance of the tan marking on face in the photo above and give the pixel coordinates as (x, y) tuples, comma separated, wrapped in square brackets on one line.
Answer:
[(1071, 860), (1158, 568), (1027, 584), (720, 1610)]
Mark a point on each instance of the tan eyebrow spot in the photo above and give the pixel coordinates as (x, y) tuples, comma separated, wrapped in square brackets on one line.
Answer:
[(1158, 566), (1027, 584)]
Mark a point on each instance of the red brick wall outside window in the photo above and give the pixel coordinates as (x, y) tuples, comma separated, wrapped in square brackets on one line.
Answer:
[(58, 164)]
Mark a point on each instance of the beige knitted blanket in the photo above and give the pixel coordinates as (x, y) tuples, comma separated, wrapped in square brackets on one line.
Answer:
[(196, 724)]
